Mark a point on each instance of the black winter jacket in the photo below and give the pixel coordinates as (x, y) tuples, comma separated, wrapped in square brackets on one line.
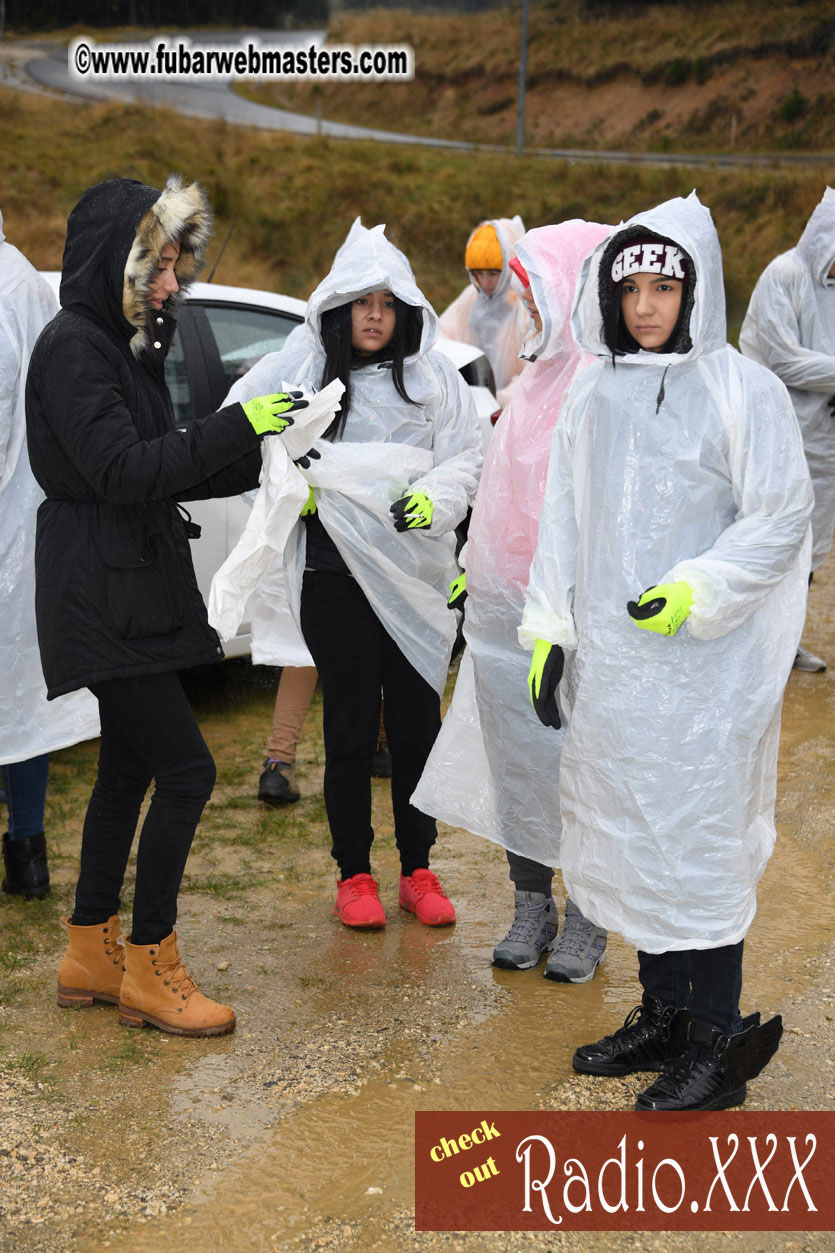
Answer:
[(116, 592)]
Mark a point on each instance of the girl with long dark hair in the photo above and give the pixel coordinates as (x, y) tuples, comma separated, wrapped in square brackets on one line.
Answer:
[(366, 582)]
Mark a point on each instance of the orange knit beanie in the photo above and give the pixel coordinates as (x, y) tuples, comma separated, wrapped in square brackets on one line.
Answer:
[(484, 252)]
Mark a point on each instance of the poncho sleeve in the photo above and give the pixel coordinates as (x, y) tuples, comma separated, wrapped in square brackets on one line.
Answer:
[(549, 601), (771, 331), (770, 482), (452, 483)]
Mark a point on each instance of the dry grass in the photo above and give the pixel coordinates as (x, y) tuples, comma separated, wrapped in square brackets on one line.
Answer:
[(292, 199), (681, 76)]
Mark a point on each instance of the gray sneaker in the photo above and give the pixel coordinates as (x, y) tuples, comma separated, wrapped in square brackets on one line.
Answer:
[(533, 930), (808, 661), (579, 950)]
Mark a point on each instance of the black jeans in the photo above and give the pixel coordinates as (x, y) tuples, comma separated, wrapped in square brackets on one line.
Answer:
[(528, 875), (148, 731), (706, 981), (358, 661)]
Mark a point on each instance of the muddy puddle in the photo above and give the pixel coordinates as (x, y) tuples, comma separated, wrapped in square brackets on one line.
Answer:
[(318, 1164), (297, 1132)]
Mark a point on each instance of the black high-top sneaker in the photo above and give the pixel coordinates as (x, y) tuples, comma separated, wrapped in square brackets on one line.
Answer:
[(651, 1035), (27, 872), (277, 785), (713, 1072)]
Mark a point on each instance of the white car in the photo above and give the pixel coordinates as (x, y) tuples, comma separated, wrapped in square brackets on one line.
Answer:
[(221, 333)]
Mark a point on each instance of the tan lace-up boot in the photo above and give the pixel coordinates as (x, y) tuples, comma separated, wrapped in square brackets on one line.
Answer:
[(92, 966), (157, 991)]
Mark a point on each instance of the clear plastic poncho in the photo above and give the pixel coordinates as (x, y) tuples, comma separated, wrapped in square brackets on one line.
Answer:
[(29, 724), (494, 769), (498, 323), (389, 446), (790, 327), (669, 766)]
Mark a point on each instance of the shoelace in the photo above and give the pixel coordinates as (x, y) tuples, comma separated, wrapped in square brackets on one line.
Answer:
[(633, 1019), (575, 935), (693, 1066), (366, 886), (427, 882), (178, 979), (527, 923), (114, 948)]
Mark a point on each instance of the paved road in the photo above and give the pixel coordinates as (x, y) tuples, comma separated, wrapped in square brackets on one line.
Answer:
[(219, 101), (216, 100)]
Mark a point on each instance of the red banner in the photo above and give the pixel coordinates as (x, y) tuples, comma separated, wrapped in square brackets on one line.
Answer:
[(560, 1171)]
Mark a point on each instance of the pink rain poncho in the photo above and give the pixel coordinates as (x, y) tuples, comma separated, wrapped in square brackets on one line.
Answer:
[(494, 768), (498, 323)]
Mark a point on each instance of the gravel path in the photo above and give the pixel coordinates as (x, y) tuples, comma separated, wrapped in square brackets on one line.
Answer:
[(271, 1138)]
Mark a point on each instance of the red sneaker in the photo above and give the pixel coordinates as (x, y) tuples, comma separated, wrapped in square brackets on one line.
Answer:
[(358, 903), (422, 895)]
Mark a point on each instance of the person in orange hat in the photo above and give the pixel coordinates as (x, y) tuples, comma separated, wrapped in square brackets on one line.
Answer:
[(488, 313)]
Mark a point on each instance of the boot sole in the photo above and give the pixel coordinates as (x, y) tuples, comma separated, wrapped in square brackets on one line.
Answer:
[(730, 1099), (506, 963), (556, 977), (278, 801), (612, 1070), (137, 1018), (28, 894), (82, 998)]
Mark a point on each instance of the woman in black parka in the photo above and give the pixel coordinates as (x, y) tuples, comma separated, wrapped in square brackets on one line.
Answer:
[(118, 607)]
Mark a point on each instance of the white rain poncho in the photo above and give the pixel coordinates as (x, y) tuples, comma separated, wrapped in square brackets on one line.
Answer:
[(669, 767), (275, 512), (388, 446), (29, 724), (790, 327), (494, 769), (498, 323)]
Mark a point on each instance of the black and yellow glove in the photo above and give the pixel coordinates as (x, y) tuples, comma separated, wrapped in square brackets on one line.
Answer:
[(661, 608), (413, 512), (544, 679), (457, 592), (270, 415)]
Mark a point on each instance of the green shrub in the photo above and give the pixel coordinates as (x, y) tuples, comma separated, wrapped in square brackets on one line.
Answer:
[(794, 106), (677, 71)]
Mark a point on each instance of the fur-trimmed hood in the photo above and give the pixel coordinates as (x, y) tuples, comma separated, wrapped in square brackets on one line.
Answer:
[(115, 235)]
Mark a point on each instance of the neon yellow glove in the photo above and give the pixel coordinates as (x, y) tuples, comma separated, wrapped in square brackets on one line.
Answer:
[(309, 506), (544, 679), (270, 415), (662, 608), (457, 592), (412, 512)]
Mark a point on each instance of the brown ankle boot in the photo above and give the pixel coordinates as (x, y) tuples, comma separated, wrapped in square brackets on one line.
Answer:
[(157, 991), (92, 966)]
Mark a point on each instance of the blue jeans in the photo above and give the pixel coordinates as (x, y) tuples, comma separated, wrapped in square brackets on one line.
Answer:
[(25, 786), (706, 981)]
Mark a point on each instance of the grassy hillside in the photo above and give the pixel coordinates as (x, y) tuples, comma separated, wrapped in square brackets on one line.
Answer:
[(293, 199), (713, 77)]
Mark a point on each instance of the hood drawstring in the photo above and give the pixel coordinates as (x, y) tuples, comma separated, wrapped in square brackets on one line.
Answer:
[(193, 529), (660, 398)]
